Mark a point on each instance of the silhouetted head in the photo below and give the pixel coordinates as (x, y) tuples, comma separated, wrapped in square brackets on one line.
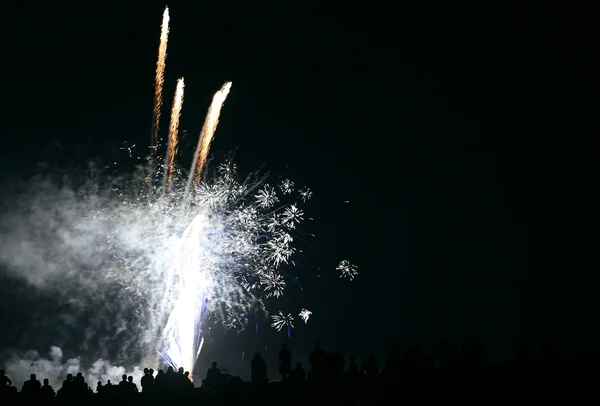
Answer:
[(186, 374), (170, 370), (79, 375), (161, 372), (69, 377), (108, 382), (46, 381), (151, 371), (130, 379), (145, 371), (214, 364), (124, 377), (180, 370), (100, 383), (32, 377)]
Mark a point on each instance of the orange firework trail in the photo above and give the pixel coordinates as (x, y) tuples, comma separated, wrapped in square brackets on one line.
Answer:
[(159, 81), (208, 131), (173, 134)]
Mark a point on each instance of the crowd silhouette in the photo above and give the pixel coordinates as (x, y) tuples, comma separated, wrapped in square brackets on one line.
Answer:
[(441, 374)]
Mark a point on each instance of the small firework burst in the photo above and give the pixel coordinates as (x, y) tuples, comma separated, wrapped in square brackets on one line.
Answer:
[(305, 194), (273, 283), (281, 320), (305, 314), (292, 215), (347, 269), (287, 186), (266, 197), (233, 320)]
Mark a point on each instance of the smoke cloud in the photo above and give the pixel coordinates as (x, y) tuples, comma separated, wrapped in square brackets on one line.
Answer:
[(55, 368), (68, 240)]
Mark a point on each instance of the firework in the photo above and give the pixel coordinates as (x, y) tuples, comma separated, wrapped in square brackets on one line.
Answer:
[(203, 251), (281, 320), (205, 256), (160, 76), (208, 130), (304, 315), (347, 269), (305, 194), (173, 135), (287, 186)]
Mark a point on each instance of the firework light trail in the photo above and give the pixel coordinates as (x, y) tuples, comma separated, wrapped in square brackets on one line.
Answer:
[(159, 81), (208, 130), (173, 135)]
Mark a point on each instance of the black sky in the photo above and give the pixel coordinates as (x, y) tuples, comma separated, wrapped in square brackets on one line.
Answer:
[(458, 134)]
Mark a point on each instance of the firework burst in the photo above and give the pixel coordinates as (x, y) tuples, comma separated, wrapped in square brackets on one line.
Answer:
[(304, 315), (281, 320), (347, 270)]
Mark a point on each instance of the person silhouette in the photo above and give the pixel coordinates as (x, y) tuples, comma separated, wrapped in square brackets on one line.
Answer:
[(79, 383), (124, 385), (188, 380), (32, 386), (147, 380), (213, 376), (352, 366), (132, 386), (5, 381), (285, 358), (258, 368), (316, 362), (298, 375), (46, 390)]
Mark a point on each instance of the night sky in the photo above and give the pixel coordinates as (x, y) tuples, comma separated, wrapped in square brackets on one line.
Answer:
[(458, 136)]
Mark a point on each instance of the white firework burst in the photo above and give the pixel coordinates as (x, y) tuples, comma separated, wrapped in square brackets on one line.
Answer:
[(287, 186), (272, 283), (266, 197), (305, 314), (347, 269), (305, 194), (292, 216), (213, 251), (281, 320)]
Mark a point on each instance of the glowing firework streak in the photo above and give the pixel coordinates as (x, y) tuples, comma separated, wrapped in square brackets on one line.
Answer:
[(182, 332), (159, 81), (208, 131), (173, 135)]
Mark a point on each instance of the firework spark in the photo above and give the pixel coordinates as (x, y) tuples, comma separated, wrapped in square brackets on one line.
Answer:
[(305, 194), (281, 320), (173, 135), (159, 81), (305, 314), (208, 131), (287, 186), (347, 269)]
